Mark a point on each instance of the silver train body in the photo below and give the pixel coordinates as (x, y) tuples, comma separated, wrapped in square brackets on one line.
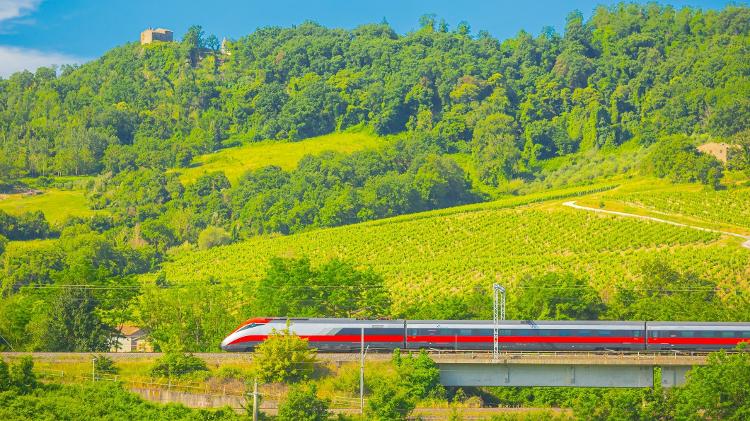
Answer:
[(341, 335)]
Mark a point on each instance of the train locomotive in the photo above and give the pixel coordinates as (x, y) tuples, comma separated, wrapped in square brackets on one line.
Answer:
[(342, 335)]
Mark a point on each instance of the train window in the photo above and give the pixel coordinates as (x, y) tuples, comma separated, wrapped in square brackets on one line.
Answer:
[(563, 332), (727, 334), (636, 333), (251, 325), (605, 333), (687, 333), (585, 332)]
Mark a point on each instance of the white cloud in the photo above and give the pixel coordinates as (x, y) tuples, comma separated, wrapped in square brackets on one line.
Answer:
[(10, 9), (14, 59)]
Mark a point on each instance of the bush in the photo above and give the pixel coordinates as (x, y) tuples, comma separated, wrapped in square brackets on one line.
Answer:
[(97, 401), (212, 237), (284, 357), (177, 364), (19, 377), (389, 401), (302, 404), (105, 365), (419, 375)]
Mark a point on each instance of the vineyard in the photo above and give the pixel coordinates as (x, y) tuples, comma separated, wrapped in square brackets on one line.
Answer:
[(452, 251), (731, 206)]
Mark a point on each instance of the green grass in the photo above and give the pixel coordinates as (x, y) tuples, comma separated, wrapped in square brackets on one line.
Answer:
[(57, 205), (18, 247), (236, 161), (452, 251)]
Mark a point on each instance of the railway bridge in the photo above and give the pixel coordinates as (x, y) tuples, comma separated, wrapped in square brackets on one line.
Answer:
[(475, 368), (571, 369)]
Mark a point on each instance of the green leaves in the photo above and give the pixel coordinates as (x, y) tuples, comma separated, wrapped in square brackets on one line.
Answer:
[(177, 364), (555, 297), (284, 357), (292, 288)]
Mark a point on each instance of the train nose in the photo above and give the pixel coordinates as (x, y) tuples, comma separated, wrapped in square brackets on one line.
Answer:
[(225, 344)]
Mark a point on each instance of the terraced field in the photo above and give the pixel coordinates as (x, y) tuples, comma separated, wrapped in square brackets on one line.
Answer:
[(454, 250), (236, 161)]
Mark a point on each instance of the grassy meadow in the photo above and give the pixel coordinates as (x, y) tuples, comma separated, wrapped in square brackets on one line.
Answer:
[(56, 204), (237, 160)]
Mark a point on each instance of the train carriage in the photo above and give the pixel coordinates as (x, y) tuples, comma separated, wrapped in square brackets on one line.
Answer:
[(696, 336), (525, 335), (346, 335)]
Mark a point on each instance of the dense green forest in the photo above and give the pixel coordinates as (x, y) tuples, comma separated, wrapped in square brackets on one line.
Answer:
[(461, 114), (629, 72)]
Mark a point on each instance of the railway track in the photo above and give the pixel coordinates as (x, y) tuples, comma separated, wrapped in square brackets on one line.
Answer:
[(441, 357)]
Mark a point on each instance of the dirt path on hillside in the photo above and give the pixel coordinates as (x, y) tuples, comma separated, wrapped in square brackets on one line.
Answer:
[(572, 204)]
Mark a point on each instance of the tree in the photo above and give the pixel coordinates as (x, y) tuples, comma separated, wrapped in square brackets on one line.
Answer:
[(5, 381), (663, 293), (73, 326), (678, 159), (389, 401), (740, 156), (495, 148), (419, 375), (213, 237), (293, 288), (284, 357), (556, 296), (717, 391), (22, 377), (302, 404)]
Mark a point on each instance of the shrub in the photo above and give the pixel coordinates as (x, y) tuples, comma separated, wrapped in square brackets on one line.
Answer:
[(177, 364), (284, 357), (419, 375), (212, 237), (389, 401), (22, 376), (302, 404), (105, 365)]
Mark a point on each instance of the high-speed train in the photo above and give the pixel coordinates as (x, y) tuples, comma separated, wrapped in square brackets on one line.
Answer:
[(346, 335)]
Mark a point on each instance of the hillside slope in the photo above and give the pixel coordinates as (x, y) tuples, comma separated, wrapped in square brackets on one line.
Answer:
[(431, 256)]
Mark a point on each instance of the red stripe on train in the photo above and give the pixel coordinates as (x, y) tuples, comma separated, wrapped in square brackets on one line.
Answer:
[(524, 339), (505, 339), (697, 341), (328, 338)]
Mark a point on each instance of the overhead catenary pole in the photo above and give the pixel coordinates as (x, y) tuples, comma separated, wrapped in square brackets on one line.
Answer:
[(498, 306), (93, 368), (255, 399), (362, 372)]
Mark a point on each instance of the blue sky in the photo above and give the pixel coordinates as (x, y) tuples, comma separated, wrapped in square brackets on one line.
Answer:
[(43, 32)]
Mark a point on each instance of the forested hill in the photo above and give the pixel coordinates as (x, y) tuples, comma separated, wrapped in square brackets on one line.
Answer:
[(629, 72)]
